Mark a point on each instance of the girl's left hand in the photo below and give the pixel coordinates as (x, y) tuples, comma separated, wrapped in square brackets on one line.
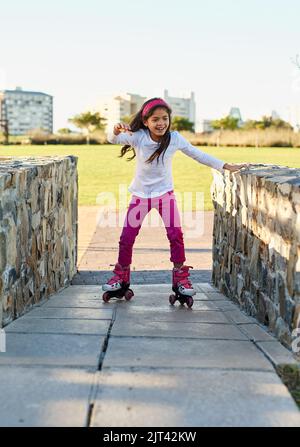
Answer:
[(233, 167)]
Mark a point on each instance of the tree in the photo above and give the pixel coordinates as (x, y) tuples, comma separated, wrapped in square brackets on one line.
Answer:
[(89, 122), (64, 131), (251, 124), (179, 123), (228, 122), (126, 119), (281, 124), (267, 122), (4, 125)]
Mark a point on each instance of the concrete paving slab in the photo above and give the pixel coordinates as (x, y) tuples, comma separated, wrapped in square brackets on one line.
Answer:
[(68, 331), (73, 313), (205, 296), (185, 398), (161, 287), (208, 295), (153, 288), (155, 304), (175, 314), (161, 293), (99, 277), (78, 302), (157, 288), (180, 353), (54, 326), (238, 317), (257, 333), (207, 287), (77, 290), (44, 397), (168, 329), (92, 293), (52, 350), (225, 305), (79, 294), (278, 353)]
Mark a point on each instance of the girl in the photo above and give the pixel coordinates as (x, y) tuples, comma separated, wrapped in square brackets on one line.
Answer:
[(152, 142)]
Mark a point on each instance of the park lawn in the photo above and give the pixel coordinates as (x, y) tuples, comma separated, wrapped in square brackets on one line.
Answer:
[(100, 170)]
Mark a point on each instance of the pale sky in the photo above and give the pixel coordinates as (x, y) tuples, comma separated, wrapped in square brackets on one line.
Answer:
[(229, 52)]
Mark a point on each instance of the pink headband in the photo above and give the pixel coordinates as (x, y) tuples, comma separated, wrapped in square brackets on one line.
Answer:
[(151, 104)]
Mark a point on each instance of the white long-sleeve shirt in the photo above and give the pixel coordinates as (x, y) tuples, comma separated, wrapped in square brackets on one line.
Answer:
[(154, 179)]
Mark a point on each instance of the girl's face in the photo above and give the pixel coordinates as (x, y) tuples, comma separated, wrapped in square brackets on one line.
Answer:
[(158, 123)]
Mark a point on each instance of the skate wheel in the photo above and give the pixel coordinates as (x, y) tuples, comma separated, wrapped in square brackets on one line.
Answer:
[(189, 301), (172, 299), (128, 294), (106, 297)]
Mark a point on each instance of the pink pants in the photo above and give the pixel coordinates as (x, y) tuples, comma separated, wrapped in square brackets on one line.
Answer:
[(138, 209)]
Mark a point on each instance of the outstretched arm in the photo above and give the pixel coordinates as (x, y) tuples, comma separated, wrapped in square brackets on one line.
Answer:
[(121, 127), (121, 134), (202, 157), (205, 158)]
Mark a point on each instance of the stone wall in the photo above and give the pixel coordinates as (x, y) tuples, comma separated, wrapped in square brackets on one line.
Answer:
[(38, 230), (256, 244)]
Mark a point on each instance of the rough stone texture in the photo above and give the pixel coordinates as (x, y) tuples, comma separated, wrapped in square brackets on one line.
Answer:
[(38, 230), (256, 244)]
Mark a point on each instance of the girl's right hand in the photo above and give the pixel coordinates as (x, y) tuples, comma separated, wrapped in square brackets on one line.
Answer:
[(233, 167), (121, 127)]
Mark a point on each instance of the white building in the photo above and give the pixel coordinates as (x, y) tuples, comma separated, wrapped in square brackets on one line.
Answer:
[(26, 111), (292, 115), (236, 113), (275, 115), (183, 107), (116, 108), (204, 126)]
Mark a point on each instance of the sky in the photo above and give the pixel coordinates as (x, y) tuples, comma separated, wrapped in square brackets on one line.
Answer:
[(229, 52)]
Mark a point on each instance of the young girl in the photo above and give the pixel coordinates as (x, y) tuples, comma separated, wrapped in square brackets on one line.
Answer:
[(154, 145)]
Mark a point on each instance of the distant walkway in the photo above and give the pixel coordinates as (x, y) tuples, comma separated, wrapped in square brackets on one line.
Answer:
[(98, 246)]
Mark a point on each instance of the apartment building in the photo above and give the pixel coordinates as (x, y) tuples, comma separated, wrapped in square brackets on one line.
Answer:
[(183, 107), (26, 111), (114, 109)]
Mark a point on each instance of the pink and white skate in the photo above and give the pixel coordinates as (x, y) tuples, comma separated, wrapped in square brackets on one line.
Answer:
[(182, 286), (118, 285)]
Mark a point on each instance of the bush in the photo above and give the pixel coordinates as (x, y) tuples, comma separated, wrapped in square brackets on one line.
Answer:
[(72, 138), (247, 138), (233, 138)]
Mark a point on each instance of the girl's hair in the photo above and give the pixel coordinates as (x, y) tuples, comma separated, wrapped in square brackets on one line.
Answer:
[(137, 124)]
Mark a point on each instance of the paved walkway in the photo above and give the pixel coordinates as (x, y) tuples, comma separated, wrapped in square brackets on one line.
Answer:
[(98, 245), (76, 361), (98, 249)]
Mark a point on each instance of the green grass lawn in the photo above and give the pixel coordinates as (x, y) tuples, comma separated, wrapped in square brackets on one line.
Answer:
[(100, 169)]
